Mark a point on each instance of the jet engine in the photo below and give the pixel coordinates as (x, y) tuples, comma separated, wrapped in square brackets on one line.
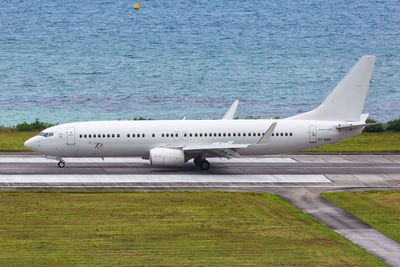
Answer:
[(166, 157)]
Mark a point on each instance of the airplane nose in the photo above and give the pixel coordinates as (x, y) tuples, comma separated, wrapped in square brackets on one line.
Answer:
[(29, 143)]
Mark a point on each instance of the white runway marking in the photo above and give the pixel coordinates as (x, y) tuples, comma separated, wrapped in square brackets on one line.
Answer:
[(162, 178), (26, 159)]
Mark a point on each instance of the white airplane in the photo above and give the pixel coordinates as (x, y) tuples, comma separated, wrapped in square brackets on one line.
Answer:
[(174, 142)]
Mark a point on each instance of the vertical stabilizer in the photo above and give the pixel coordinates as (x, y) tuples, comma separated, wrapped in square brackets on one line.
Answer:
[(346, 101)]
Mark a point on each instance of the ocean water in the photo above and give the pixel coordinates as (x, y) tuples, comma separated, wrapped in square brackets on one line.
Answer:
[(63, 61)]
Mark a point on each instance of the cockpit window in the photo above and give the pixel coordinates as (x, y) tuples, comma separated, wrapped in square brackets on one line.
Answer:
[(46, 134)]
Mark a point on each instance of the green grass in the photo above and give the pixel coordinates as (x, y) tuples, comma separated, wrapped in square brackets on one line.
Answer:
[(366, 142), (168, 228), (14, 140), (379, 209)]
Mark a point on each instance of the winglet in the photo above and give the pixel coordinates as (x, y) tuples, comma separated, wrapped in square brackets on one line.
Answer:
[(267, 136), (231, 111)]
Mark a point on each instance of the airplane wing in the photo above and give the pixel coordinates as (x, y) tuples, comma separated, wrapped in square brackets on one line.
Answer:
[(227, 149), (230, 114), (228, 145)]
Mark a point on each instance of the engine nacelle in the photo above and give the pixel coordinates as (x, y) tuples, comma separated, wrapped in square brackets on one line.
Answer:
[(166, 157)]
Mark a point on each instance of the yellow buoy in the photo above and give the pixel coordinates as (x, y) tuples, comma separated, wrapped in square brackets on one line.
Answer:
[(136, 6)]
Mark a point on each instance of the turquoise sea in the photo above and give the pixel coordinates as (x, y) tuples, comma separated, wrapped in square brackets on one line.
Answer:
[(63, 61)]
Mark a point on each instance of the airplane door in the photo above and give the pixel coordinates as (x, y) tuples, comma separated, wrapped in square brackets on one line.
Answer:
[(70, 136), (313, 134)]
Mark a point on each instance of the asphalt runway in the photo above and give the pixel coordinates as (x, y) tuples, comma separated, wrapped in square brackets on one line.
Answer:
[(299, 179)]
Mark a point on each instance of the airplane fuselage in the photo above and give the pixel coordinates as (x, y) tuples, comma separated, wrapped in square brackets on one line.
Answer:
[(136, 138)]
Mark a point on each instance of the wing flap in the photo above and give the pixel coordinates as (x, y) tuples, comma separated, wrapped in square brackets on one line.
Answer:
[(214, 146)]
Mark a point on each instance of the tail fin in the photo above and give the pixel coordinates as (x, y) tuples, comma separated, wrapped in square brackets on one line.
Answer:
[(346, 101)]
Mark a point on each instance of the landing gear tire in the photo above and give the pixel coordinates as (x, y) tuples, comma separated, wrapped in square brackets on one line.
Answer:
[(61, 164), (205, 165), (197, 161)]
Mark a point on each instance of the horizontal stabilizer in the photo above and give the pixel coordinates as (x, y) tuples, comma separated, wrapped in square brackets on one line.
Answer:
[(351, 125)]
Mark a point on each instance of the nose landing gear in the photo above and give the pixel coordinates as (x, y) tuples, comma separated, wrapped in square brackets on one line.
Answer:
[(201, 163), (61, 164)]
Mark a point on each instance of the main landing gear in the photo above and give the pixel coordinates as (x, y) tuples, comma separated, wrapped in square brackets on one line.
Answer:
[(61, 164), (201, 163)]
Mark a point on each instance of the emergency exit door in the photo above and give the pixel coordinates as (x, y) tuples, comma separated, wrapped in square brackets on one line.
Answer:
[(313, 134), (70, 136)]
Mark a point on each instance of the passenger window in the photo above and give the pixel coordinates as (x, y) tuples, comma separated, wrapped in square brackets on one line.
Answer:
[(200, 134), (195, 135), (104, 136), (272, 134), (184, 134), (291, 134), (162, 135), (190, 134), (85, 136), (167, 135), (118, 135), (259, 134), (176, 135), (128, 135), (153, 135), (94, 136), (286, 134), (80, 136), (112, 135), (215, 134), (234, 134), (238, 134), (205, 134), (90, 136), (281, 134), (143, 135), (229, 134), (244, 134), (224, 134), (219, 134)]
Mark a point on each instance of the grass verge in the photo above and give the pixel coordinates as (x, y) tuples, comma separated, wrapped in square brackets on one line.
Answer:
[(366, 142), (14, 140), (379, 209), (166, 228)]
